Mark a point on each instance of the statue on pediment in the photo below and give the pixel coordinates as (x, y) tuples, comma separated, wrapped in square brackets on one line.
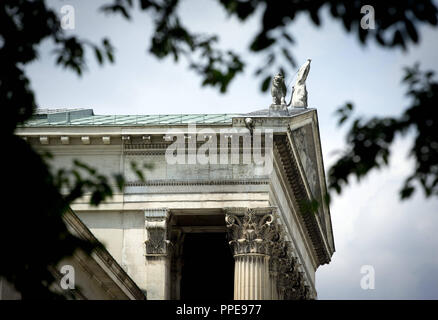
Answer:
[(278, 90), (299, 91)]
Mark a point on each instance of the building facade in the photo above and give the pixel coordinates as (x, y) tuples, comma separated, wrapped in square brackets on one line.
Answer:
[(231, 205)]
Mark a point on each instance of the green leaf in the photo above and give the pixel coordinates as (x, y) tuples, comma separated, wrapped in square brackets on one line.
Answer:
[(288, 37), (265, 83), (406, 192), (98, 55), (411, 30), (288, 57)]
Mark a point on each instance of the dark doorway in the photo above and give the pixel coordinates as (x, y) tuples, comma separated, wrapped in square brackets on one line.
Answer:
[(208, 267)]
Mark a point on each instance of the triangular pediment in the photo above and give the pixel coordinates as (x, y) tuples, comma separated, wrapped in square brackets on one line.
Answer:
[(304, 132), (304, 141)]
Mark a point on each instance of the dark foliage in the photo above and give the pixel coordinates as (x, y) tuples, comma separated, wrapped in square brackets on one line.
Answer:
[(370, 140), (33, 236), (396, 26)]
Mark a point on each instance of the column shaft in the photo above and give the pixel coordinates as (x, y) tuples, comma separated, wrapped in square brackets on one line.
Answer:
[(273, 285), (251, 277)]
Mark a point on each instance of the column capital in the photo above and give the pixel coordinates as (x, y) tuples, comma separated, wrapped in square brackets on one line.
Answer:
[(156, 215), (251, 230)]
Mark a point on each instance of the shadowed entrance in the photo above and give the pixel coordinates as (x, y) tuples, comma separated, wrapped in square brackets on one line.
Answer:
[(208, 267)]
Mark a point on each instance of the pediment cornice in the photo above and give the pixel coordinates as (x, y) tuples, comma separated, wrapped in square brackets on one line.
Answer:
[(303, 191)]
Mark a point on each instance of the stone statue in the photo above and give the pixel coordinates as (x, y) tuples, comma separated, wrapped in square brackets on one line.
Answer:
[(278, 91), (299, 91)]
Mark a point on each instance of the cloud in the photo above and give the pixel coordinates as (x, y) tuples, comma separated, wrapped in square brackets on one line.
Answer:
[(372, 227)]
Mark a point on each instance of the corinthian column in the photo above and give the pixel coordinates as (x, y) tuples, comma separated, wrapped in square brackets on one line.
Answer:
[(251, 233)]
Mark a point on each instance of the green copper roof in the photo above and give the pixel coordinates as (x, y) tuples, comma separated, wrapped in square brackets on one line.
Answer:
[(86, 117)]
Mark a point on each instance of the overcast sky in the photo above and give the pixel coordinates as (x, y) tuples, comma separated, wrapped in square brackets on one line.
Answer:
[(371, 226)]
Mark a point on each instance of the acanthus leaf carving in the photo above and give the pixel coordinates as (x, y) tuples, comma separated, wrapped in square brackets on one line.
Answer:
[(254, 232)]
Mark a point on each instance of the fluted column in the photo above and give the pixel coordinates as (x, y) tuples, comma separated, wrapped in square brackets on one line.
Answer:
[(251, 235), (251, 277), (273, 279), (273, 276)]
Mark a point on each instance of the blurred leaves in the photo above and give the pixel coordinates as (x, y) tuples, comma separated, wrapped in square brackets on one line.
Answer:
[(217, 68), (139, 172), (82, 179), (396, 26), (344, 113), (33, 235), (119, 6), (309, 206), (70, 53), (396, 22), (369, 141), (266, 82)]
